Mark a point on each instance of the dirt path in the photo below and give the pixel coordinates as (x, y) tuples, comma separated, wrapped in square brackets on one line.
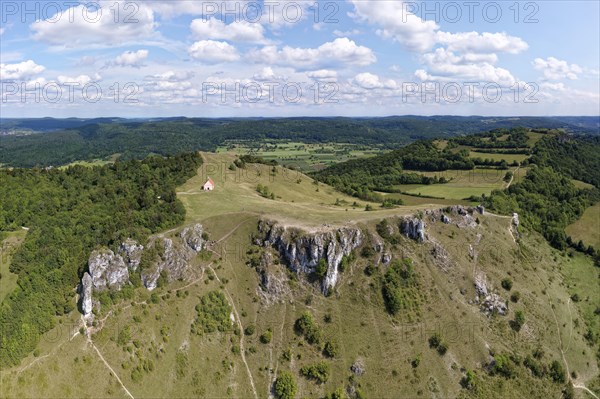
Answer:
[(239, 323), (89, 340), (513, 177)]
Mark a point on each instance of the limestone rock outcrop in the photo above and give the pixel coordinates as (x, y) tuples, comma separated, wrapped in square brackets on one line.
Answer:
[(85, 292), (131, 251), (488, 301), (302, 251), (413, 228), (107, 270)]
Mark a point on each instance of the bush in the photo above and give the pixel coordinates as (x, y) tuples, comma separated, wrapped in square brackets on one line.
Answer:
[(285, 386), (321, 269), (469, 380), (306, 326), (507, 284), (503, 365), (519, 320), (250, 330), (331, 349), (266, 337), (317, 371), (515, 297), (557, 372), (212, 314)]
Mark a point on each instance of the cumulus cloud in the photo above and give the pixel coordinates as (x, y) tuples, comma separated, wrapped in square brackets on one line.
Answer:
[(213, 52), (80, 80), (555, 69), (132, 58), (474, 42), (369, 81), (397, 23), (237, 31), (341, 51), (20, 71), (322, 74), (445, 65), (82, 26)]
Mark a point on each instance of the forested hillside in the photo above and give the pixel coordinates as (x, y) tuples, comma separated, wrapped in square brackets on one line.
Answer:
[(363, 176), (102, 138), (69, 213)]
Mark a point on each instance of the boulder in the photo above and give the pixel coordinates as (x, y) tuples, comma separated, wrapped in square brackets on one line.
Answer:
[(192, 237)]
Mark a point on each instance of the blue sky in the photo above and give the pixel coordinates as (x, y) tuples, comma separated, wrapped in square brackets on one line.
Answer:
[(290, 58)]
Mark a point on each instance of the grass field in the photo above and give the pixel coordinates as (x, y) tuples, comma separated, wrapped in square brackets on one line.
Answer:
[(498, 157), (587, 228), (8, 280), (297, 198), (303, 156), (462, 183)]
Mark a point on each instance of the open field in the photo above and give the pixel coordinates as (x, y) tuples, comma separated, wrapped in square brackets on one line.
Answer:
[(8, 280), (587, 228), (303, 156), (462, 183), (297, 198), (498, 157)]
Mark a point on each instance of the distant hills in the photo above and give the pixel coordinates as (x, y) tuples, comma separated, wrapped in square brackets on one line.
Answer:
[(68, 140)]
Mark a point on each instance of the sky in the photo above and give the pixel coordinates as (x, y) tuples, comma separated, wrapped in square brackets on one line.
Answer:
[(298, 58)]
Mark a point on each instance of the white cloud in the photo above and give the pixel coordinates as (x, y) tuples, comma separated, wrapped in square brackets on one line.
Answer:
[(2, 31), (79, 26), (132, 58), (212, 52), (446, 66), (397, 23), (19, 71), (322, 74), (237, 31), (342, 51), (474, 42), (555, 69), (80, 80), (369, 81), (267, 75)]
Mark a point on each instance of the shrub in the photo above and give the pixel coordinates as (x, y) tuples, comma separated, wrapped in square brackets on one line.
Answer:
[(507, 284), (212, 314), (250, 330), (557, 372), (306, 326), (321, 269), (503, 365), (317, 371), (469, 380), (519, 320), (266, 337), (285, 386), (331, 349), (515, 296)]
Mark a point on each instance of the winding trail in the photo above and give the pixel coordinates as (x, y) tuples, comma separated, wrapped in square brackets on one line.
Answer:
[(89, 340), (239, 323)]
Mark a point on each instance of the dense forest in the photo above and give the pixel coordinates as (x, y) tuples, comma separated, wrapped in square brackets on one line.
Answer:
[(361, 177), (69, 140), (69, 213)]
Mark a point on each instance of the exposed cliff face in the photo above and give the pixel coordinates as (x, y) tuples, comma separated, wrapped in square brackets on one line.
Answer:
[(413, 228), (85, 292), (176, 256), (107, 270), (302, 252), (131, 252)]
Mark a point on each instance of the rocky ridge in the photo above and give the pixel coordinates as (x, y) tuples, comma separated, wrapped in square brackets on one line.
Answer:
[(111, 271), (302, 251)]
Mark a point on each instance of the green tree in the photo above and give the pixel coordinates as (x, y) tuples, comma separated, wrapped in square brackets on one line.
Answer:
[(285, 386)]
